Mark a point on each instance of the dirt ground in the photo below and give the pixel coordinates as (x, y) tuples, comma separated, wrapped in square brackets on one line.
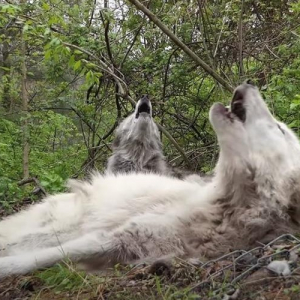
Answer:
[(237, 275)]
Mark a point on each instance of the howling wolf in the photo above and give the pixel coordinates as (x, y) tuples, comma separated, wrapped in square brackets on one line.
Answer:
[(254, 196), (137, 146)]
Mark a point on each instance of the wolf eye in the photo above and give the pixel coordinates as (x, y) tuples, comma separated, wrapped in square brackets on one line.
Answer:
[(280, 129)]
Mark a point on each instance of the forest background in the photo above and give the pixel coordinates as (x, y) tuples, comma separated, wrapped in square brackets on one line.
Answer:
[(71, 69)]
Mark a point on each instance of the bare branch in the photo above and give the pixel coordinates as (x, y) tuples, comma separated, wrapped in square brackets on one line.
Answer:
[(106, 24), (131, 45), (181, 45), (37, 183)]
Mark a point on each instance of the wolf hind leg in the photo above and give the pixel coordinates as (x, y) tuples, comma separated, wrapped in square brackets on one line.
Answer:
[(131, 243)]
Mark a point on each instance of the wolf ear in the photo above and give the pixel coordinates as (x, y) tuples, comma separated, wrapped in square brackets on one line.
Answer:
[(79, 187)]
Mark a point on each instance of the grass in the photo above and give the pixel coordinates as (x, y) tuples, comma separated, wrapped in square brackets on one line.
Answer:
[(124, 282), (184, 281), (63, 281), (66, 278)]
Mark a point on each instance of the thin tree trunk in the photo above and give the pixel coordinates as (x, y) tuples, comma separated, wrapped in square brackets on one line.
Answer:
[(240, 31), (24, 96), (7, 101)]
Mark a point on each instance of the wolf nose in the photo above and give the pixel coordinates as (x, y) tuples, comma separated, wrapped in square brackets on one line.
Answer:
[(145, 98), (249, 81), (239, 94), (240, 91)]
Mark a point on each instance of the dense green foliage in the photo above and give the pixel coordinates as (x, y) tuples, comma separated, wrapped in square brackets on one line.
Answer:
[(83, 59)]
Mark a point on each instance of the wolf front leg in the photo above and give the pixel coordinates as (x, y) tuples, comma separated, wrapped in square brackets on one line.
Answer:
[(133, 241), (60, 211), (76, 250)]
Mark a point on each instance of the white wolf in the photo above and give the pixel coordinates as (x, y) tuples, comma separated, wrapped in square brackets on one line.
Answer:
[(253, 196), (137, 146)]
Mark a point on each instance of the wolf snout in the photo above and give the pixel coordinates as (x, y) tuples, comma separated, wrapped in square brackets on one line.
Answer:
[(250, 82), (240, 92), (144, 105), (239, 98), (145, 98), (218, 112), (219, 108)]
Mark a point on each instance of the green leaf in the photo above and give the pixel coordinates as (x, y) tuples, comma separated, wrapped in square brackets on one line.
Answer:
[(25, 27), (77, 51), (294, 124), (77, 65), (45, 6), (72, 61), (294, 105), (47, 31), (48, 54)]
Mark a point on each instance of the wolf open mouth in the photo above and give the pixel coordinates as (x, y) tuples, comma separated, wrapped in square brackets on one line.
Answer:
[(237, 104), (144, 107)]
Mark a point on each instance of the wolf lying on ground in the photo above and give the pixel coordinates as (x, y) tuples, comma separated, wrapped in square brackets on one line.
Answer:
[(254, 196), (137, 146)]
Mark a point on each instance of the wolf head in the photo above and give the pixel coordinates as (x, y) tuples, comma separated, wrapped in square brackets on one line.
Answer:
[(143, 108), (137, 146), (139, 126), (259, 156)]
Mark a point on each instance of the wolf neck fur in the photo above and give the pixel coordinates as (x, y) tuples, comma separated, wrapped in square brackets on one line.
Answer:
[(140, 147)]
